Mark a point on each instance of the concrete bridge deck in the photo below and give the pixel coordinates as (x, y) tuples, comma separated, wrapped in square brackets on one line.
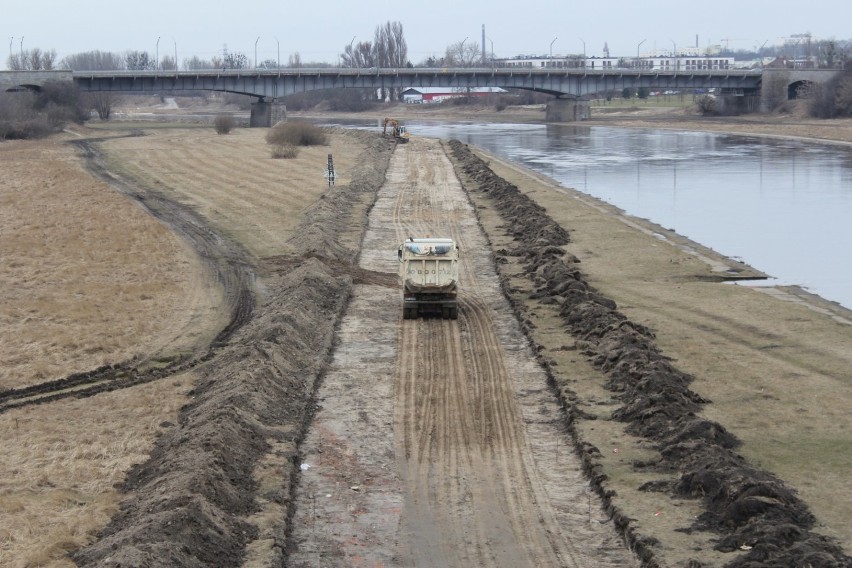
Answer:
[(568, 85), (273, 84)]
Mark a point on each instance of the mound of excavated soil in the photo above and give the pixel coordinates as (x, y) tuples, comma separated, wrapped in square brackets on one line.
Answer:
[(744, 504), (188, 504)]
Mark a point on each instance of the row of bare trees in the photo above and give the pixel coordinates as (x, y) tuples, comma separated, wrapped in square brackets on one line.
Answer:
[(32, 60)]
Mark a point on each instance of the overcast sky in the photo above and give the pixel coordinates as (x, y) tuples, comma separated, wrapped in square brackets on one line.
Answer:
[(320, 29)]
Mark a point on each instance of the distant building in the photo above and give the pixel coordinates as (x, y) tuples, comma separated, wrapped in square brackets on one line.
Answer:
[(680, 61), (425, 95)]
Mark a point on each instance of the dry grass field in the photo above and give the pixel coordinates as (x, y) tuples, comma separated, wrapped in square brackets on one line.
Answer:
[(88, 278), (232, 180)]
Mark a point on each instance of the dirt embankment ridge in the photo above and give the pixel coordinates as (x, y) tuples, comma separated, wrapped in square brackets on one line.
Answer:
[(751, 509), (192, 502)]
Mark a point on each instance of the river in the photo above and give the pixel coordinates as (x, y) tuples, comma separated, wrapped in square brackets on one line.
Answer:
[(783, 206)]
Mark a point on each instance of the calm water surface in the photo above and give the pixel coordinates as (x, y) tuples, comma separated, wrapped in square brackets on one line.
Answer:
[(783, 206)]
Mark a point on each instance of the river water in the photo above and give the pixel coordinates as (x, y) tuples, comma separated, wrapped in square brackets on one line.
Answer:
[(782, 206)]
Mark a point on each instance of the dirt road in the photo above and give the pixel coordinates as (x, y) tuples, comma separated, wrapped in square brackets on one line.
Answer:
[(437, 442)]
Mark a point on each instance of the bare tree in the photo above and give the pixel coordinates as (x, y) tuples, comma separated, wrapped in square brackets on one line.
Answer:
[(462, 54), (361, 56), (390, 45), (295, 60), (32, 60), (138, 61), (196, 62), (235, 60), (391, 50), (93, 61), (101, 102), (167, 63)]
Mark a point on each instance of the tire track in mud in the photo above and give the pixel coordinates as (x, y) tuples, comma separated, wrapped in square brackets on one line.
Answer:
[(470, 419), (225, 260)]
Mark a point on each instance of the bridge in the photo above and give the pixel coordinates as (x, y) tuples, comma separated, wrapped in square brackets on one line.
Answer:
[(569, 86)]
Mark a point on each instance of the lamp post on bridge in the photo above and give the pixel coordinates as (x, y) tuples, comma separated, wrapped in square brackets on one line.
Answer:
[(255, 51), (11, 39), (551, 51), (176, 65), (637, 51), (584, 51), (461, 50), (674, 53), (157, 61), (22, 52), (279, 53), (492, 52), (352, 53)]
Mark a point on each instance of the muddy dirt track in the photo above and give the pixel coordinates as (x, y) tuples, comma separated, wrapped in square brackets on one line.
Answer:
[(437, 442)]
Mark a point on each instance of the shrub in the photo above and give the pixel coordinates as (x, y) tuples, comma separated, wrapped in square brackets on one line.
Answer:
[(285, 152), (224, 123), (707, 104), (296, 134)]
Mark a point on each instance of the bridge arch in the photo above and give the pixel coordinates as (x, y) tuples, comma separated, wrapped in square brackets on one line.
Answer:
[(797, 89)]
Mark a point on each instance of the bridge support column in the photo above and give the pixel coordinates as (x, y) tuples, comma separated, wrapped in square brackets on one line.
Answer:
[(265, 113), (567, 110), (261, 114)]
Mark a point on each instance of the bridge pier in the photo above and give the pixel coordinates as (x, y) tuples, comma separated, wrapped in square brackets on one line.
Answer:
[(567, 110), (265, 114)]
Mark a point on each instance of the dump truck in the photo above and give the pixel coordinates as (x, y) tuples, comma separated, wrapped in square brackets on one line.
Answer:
[(430, 275)]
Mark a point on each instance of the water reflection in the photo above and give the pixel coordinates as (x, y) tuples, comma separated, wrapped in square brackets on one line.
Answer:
[(784, 206)]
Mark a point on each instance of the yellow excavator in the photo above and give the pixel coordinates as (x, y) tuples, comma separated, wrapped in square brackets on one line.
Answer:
[(396, 130)]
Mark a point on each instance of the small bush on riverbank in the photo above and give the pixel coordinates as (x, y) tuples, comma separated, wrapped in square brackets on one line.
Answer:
[(224, 123), (296, 134), (285, 152), (832, 99)]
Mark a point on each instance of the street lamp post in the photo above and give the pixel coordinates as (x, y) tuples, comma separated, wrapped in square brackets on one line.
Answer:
[(22, 52), (461, 50), (492, 52), (637, 50), (351, 53), (11, 39), (255, 51), (158, 53), (674, 53), (551, 49), (278, 43), (176, 65), (584, 51)]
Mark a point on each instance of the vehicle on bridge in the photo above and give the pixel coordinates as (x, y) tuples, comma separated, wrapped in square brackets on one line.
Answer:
[(429, 271)]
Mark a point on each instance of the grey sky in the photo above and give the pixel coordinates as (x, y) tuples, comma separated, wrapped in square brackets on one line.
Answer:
[(320, 29)]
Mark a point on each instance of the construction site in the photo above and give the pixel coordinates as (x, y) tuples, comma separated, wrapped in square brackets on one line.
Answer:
[(210, 357)]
